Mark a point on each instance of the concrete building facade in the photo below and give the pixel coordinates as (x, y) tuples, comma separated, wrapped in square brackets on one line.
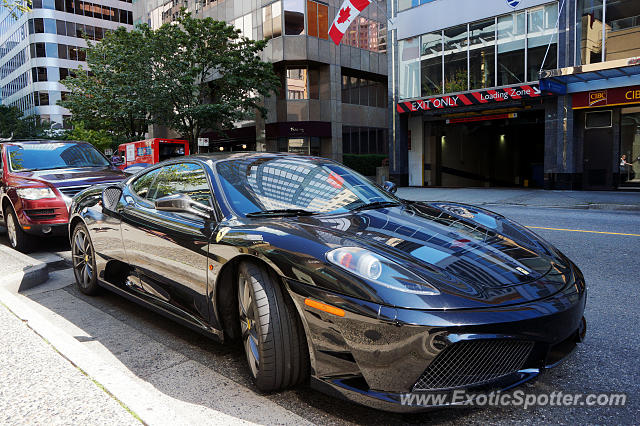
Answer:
[(40, 48), (496, 93)]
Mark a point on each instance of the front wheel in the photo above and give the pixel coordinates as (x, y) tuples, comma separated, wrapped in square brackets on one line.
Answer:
[(272, 334), (84, 261), (18, 239)]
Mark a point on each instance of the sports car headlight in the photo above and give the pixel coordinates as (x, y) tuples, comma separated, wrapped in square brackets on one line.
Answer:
[(35, 193), (382, 271)]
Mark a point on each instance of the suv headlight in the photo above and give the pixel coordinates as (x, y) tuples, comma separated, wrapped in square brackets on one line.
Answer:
[(35, 193), (382, 271)]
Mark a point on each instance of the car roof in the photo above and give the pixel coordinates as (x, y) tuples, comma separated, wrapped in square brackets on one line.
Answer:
[(37, 141), (216, 156)]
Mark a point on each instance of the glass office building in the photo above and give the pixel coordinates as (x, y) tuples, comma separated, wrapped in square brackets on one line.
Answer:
[(40, 48), (333, 99), (470, 108)]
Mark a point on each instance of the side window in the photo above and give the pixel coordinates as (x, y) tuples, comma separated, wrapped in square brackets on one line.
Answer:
[(141, 185), (185, 178)]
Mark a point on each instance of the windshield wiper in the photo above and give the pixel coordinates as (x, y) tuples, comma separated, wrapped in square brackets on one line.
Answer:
[(281, 212), (376, 205)]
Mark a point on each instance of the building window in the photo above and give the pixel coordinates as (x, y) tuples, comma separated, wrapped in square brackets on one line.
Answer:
[(455, 59), (364, 140), (511, 48), (409, 75), (272, 20), (317, 19), (482, 41), (366, 34), (293, 17), (542, 36), (245, 25), (297, 83), (431, 64), (364, 91), (39, 74)]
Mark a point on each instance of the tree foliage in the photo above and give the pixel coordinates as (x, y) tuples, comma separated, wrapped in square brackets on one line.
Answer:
[(116, 96), (192, 76), (16, 7), (14, 125), (208, 76), (101, 139)]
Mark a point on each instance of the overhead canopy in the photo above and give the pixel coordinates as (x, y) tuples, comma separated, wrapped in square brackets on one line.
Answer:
[(604, 75)]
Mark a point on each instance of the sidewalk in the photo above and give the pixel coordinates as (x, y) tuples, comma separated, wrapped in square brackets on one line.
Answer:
[(41, 387), (606, 200)]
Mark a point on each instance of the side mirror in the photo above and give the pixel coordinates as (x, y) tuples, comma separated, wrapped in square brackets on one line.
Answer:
[(182, 203), (390, 187), (110, 197)]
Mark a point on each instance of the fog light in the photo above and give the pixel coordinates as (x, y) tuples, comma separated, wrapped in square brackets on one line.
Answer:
[(46, 229)]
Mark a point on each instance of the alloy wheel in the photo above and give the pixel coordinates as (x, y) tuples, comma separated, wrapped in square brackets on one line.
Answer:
[(82, 258), (11, 230), (248, 324)]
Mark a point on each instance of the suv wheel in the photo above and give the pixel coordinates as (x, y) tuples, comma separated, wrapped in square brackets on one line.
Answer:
[(18, 239)]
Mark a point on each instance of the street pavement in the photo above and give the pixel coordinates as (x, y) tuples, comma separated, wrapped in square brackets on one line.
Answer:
[(199, 378)]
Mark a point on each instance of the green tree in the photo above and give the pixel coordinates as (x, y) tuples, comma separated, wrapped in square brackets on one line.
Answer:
[(13, 124), (117, 94), (207, 76), (101, 139), (16, 7)]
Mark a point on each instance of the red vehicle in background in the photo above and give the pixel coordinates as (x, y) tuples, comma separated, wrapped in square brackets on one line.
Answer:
[(135, 156)]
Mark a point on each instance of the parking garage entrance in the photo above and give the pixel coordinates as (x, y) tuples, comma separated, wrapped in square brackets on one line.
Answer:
[(490, 150)]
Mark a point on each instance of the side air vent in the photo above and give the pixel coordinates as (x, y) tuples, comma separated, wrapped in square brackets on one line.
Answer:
[(110, 197)]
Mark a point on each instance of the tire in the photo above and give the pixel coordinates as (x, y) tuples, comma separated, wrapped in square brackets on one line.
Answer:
[(272, 335), (84, 261), (18, 239)]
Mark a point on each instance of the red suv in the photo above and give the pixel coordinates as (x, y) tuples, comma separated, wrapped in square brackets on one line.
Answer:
[(38, 181)]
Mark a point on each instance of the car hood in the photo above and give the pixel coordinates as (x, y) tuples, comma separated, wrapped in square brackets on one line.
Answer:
[(475, 258), (78, 176)]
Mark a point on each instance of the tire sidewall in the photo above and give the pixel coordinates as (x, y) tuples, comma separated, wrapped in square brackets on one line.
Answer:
[(93, 287)]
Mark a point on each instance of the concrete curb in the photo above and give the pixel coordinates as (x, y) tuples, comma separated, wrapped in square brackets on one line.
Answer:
[(118, 384), (33, 272)]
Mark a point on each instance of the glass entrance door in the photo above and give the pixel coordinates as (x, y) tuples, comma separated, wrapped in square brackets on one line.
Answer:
[(629, 162)]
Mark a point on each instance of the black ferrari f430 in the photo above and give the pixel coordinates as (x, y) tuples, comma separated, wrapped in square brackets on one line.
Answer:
[(323, 275)]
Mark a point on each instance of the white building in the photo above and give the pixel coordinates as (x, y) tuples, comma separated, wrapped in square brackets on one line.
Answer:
[(39, 49)]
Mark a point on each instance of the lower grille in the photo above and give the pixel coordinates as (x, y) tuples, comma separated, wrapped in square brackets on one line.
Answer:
[(41, 214), (474, 362)]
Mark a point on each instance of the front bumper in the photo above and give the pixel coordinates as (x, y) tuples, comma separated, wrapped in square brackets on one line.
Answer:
[(376, 355)]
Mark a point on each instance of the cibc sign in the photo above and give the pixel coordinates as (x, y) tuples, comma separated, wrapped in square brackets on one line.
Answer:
[(607, 97)]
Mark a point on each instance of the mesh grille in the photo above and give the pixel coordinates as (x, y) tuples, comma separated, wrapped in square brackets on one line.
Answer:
[(110, 198), (474, 362)]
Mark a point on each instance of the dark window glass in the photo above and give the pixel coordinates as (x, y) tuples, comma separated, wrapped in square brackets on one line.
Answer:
[(61, 27), (89, 31), (541, 35), (82, 54), (79, 30), (43, 98), (41, 73), (71, 29), (99, 33), (64, 73), (482, 54), (141, 185), (346, 143), (455, 59), (62, 51), (73, 53), (60, 5), (88, 9), (354, 90), (364, 92), (38, 24), (622, 29), (431, 63), (314, 87), (36, 4), (31, 27), (129, 17), (345, 90), (97, 11), (185, 178), (40, 50)]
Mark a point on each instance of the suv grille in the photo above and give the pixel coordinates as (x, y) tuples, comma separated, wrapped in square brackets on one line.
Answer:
[(41, 214), (474, 362), (70, 191)]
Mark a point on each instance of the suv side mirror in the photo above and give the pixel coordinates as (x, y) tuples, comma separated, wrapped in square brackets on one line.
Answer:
[(390, 187), (182, 203)]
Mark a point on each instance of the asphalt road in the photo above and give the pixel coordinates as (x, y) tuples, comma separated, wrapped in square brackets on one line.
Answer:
[(606, 362)]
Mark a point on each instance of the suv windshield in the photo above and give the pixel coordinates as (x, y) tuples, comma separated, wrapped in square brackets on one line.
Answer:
[(53, 155), (296, 184)]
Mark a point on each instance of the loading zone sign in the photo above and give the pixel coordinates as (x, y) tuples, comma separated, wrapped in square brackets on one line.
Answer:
[(472, 98)]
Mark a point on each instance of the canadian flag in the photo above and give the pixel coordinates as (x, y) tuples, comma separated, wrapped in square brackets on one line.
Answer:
[(347, 13)]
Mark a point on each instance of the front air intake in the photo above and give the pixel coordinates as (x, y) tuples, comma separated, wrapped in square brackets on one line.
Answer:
[(474, 362)]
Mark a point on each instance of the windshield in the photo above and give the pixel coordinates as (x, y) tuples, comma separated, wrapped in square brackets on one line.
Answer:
[(54, 155), (293, 183)]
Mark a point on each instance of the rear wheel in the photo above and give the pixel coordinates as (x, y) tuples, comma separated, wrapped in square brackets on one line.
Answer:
[(18, 239), (84, 261), (272, 334)]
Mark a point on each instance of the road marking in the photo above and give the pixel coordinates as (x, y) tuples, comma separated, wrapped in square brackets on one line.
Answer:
[(582, 230)]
